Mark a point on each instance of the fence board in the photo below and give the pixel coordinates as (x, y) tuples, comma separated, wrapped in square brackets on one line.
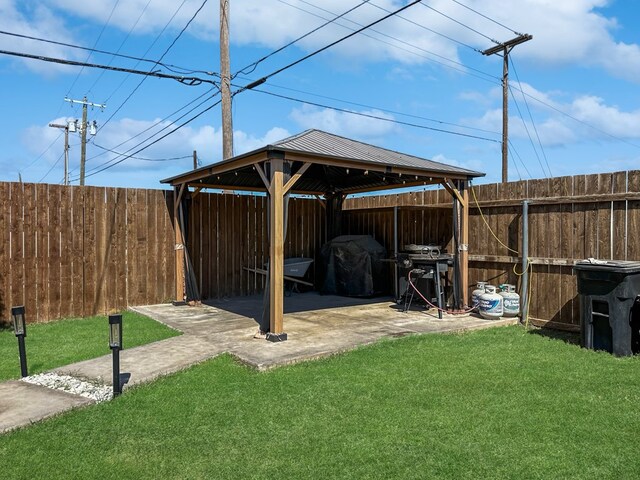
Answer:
[(5, 250)]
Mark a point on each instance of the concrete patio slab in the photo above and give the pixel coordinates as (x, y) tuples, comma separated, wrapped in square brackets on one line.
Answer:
[(23, 403), (318, 326)]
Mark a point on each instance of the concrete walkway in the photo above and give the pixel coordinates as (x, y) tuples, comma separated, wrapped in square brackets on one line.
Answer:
[(317, 326)]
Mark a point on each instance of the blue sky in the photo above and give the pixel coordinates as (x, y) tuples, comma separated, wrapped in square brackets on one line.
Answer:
[(574, 105)]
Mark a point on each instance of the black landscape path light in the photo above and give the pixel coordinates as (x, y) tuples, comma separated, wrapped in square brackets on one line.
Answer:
[(115, 343), (20, 327)]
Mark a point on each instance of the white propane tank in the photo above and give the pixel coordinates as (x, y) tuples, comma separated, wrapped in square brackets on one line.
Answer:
[(491, 304), (475, 295), (511, 300)]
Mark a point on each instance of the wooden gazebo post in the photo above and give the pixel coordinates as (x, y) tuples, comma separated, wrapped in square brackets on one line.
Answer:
[(178, 191), (276, 251), (464, 244)]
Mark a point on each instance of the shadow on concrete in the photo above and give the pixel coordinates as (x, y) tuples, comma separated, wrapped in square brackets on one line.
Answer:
[(251, 306)]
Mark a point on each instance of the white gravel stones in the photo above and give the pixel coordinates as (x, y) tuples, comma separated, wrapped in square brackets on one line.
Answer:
[(66, 383)]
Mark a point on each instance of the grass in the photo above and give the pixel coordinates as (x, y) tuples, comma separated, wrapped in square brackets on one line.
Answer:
[(51, 345), (499, 403)]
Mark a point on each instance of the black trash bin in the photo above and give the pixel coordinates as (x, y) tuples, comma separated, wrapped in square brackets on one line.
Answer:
[(609, 312)]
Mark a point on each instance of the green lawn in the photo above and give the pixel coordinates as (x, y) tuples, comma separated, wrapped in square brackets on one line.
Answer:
[(499, 403), (51, 345)]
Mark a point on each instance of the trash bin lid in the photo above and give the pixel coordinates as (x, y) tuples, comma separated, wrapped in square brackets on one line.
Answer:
[(612, 266)]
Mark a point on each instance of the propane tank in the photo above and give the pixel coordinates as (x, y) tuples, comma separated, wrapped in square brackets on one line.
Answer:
[(511, 300), (491, 304), (475, 295)]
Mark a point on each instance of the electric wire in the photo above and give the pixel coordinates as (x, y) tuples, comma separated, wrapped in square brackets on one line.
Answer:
[(535, 129), (516, 155), (461, 24), (52, 167), (463, 68), (135, 24), (155, 141), (104, 26), (375, 117), (168, 66), (556, 109), (161, 57), (385, 110), (155, 124), (42, 154), (108, 162), (189, 81), (145, 159), (326, 47), (435, 32), (526, 128), (255, 64), (487, 17)]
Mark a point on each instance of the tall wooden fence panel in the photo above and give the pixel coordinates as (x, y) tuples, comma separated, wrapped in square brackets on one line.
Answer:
[(570, 218), (80, 251), (228, 240)]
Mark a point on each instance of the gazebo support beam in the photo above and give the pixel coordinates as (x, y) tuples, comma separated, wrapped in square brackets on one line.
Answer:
[(276, 252), (179, 244), (464, 243)]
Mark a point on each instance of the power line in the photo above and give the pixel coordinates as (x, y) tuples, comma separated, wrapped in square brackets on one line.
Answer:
[(104, 26), (535, 150), (385, 110), (52, 167), (154, 134), (513, 149), (556, 109), (168, 66), (461, 24), (375, 117), (465, 68), (255, 64), (487, 17), (544, 154), (143, 158), (42, 154), (157, 140), (160, 121), (342, 39), (121, 44), (159, 60), (189, 81), (451, 39)]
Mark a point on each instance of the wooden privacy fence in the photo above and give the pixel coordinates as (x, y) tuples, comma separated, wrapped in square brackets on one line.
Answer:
[(79, 251), (228, 232), (570, 218)]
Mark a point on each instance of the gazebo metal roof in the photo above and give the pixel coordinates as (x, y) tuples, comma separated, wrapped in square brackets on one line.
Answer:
[(335, 164)]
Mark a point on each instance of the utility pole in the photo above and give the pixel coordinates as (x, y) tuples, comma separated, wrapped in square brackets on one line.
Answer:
[(195, 160), (506, 48), (83, 131), (66, 149), (225, 82)]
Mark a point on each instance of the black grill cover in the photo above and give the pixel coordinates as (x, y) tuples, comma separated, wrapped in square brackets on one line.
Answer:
[(353, 266)]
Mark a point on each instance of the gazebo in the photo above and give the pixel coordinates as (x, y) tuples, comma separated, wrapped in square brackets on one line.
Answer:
[(329, 167)]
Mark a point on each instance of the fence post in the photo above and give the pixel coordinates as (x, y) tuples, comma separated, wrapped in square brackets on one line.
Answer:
[(524, 294)]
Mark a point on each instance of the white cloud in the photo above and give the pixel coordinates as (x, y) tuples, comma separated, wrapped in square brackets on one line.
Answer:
[(36, 21), (564, 32), (472, 164), (206, 140), (592, 117), (342, 123)]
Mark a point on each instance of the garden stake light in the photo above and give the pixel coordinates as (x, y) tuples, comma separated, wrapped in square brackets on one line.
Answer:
[(20, 327), (115, 343)]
